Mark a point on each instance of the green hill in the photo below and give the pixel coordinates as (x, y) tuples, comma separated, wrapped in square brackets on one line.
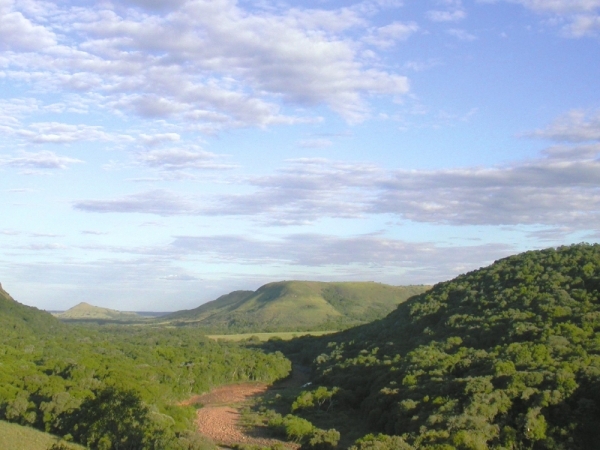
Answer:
[(297, 305), (506, 357), (86, 312)]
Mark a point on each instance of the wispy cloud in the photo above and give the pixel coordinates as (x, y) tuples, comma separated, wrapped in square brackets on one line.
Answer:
[(160, 202), (575, 126), (391, 34), (578, 17), (39, 160), (181, 158), (453, 12), (560, 188), (62, 133), (315, 143), (461, 34)]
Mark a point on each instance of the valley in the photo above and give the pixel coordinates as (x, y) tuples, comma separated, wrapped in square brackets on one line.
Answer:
[(504, 357)]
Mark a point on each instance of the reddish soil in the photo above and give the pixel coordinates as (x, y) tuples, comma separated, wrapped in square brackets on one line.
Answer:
[(219, 417)]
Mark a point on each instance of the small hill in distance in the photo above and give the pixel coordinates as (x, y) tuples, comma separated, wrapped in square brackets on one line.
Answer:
[(296, 306), (86, 312)]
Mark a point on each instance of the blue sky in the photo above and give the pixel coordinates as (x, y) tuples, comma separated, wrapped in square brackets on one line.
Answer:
[(156, 154)]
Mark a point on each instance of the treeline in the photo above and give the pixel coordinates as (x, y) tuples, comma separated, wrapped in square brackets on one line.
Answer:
[(506, 357), (115, 387)]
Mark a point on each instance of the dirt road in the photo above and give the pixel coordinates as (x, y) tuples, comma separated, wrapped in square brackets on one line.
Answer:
[(219, 418)]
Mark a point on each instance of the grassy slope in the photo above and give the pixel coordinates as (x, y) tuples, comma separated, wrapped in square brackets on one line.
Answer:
[(17, 437), (18, 320), (297, 305)]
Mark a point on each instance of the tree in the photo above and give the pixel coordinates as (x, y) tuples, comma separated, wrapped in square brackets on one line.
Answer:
[(112, 419)]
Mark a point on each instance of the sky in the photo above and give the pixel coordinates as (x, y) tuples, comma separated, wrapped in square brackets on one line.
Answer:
[(156, 154)]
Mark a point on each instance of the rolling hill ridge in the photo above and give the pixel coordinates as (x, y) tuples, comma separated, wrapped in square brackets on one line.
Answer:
[(296, 306)]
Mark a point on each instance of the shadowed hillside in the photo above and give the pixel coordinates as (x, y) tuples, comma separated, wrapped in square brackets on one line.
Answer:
[(297, 305), (506, 357)]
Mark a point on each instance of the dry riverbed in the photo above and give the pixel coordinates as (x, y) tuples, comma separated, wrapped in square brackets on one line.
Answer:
[(219, 418)]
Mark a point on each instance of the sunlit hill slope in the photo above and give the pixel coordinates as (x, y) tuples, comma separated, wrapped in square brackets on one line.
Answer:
[(297, 305)]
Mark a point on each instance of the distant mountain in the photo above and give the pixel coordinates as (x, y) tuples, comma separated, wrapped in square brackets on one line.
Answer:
[(297, 306), (85, 311)]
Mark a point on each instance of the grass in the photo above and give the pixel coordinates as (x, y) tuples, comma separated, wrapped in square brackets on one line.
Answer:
[(18, 437), (284, 335)]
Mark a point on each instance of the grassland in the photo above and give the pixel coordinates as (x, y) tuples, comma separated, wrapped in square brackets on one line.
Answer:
[(17, 437)]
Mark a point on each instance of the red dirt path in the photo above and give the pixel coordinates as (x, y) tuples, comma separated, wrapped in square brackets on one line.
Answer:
[(219, 418)]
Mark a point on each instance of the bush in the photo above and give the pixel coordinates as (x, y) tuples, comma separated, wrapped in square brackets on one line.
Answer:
[(297, 429), (324, 439), (381, 442)]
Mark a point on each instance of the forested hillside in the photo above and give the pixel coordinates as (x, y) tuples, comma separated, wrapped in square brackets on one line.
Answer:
[(115, 387), (506, 357), (296, 306)]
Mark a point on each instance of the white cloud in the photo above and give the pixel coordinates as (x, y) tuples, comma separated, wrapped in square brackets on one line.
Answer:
[(179, 277), (211, 62), (582, 17), (17, 33), (575, 126), (62, 133), (152, 140), (462, 35), (39, 160), (179, 158), (560, 6), (559, 189), (38, 247), (160, 202), (389, 35), (446, 16), (422, 262)]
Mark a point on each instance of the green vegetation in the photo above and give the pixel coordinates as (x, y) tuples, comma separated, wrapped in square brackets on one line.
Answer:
[(295, 306), (18, 437), (261, 337), (301, 431), (114, 387), (506, 357)]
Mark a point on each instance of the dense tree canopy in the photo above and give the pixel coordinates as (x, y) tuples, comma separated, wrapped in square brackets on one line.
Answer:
[(114, 387), (503, 357)]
